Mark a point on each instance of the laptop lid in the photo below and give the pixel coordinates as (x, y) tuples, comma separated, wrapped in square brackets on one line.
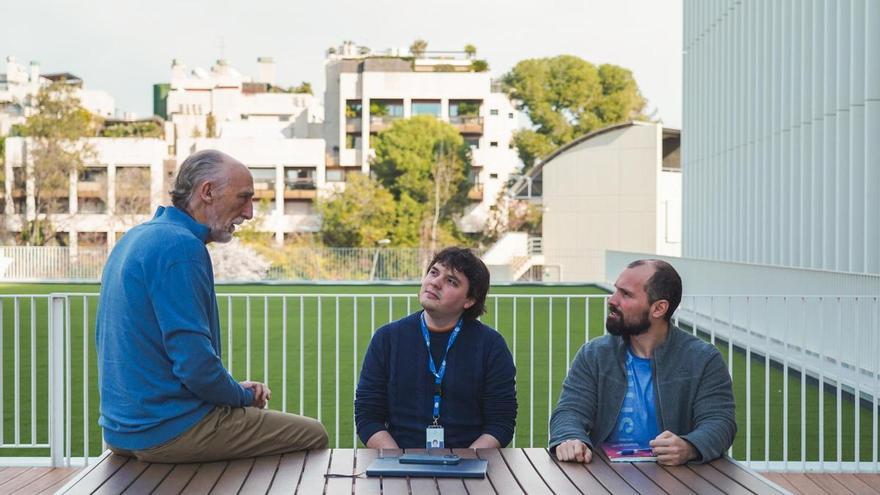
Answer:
[(390, 466)]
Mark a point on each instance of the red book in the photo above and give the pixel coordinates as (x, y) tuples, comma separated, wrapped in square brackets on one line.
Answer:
[(628, 452)]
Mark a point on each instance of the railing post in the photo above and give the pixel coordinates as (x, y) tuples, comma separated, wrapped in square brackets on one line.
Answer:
[(56, 379)]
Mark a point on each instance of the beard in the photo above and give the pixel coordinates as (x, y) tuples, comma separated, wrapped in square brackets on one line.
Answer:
[(221, 232), (619, 327)]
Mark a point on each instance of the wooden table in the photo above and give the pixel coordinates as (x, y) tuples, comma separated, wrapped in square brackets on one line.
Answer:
[(510, 471)]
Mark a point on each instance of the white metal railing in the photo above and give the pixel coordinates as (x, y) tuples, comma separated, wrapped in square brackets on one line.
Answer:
[(309, 347), (40, 263)]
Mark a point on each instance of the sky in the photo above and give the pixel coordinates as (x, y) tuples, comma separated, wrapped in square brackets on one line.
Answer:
[(125, 46)]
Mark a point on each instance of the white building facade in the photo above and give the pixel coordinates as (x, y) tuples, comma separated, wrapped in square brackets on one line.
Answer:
[(441, 85), (19, 87), (781, 156)]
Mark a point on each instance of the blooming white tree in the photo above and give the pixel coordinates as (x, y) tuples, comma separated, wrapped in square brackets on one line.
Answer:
[(236, 261)]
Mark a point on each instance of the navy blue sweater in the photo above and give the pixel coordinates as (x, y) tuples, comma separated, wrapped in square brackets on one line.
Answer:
[(395, 389)]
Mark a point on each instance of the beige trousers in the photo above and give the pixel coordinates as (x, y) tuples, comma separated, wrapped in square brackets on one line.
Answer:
[(235, 433)]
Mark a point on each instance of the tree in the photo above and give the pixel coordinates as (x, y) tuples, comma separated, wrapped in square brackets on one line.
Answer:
[(470, 50), (566, 97), (57, 150), (357, 216), (479, 65), (424, 163), (133, 129), (418, 48), (211, 126), (304, 88)]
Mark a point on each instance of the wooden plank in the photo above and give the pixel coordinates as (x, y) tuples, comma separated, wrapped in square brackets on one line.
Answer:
[(780, 480), (828, 483), (84, 472), (635, 478), (177, 479), (552, 475), (609, 478), (150, 479), (206, 477), (26, 478), (122, 478), (233, 476), (498, 472), (313, 481), (58, 485), (261, 475), (872, 480), (580, 476), (743, 476), (11, 472), (101, 472), (523, 471), (691, 479), (662, 477), (289, 472), (52, 477), (803, 485), (718, 479), (472, 485), (363, 458), (393, 486), (422, 485), (341, 462), (853, 482), (450, 486)]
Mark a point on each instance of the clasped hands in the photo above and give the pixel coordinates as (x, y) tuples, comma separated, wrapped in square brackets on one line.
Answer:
[(669, 448), (262, 394)]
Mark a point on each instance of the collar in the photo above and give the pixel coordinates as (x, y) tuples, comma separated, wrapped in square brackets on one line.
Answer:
[(170, 214)]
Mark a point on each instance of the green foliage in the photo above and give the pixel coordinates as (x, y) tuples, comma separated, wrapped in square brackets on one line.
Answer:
[(305, 87), (470, 50), (418, 47), (467, 108), (352, 110), (531, 145), (480, 66), (378, 109), (211, 126), (358, 215), (133, 129), (566, 97), (424, 163)]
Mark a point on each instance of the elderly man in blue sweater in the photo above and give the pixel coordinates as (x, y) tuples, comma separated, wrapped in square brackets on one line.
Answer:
[(439, 377), (647, 384), (165, 395)]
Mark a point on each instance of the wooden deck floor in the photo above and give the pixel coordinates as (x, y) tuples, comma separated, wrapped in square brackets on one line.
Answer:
[(22, 480), (833, 483)]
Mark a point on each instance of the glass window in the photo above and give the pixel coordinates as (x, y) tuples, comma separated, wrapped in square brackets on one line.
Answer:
[(335, 175), (472, 141), (426, 107), (493, 111)]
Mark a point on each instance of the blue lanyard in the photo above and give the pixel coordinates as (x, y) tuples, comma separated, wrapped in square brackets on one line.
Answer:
[(438, 375)]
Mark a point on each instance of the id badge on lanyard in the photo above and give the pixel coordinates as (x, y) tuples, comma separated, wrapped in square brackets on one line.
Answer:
[(434, 435)]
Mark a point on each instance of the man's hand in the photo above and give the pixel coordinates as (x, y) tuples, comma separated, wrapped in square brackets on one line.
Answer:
[(574, 450), (262, 394), (672, 450)]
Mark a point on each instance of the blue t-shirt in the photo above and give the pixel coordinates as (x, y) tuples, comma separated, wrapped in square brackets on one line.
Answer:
[(637, 420)]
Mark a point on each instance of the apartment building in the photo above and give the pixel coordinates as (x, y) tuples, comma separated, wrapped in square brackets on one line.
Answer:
[(20, 84), (367, 91), (222, 102)]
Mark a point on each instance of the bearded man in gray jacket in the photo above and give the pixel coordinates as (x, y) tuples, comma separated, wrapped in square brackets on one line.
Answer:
[(647, 382)]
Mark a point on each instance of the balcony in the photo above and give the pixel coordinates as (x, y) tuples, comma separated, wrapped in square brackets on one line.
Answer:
[(476, 193), (264, 190), (381, 122), (91, 190), (353, 125), (467, 124)]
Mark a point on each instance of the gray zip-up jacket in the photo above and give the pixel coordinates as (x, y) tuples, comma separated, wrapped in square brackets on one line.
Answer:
[(692, 388)]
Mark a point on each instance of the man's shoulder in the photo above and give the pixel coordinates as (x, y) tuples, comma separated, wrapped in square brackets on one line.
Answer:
[(171, 240), (393, 329), (690, 344)]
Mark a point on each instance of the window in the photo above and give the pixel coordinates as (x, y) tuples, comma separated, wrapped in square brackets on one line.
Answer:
[(493, 144), (299, 177), (353, 109), (91, 239), (132, 190), (426, 107), (335, 175), (462, 108), (386, 108), (352, 141), (510, 115), (472, 141), (493, 176), (493, 111), (284, 118)]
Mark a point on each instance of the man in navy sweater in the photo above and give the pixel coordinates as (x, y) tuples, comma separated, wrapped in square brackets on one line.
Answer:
[(165, 395), (439, 377)]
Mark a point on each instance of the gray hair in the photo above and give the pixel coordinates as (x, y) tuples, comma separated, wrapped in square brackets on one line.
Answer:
[(199, 167)]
